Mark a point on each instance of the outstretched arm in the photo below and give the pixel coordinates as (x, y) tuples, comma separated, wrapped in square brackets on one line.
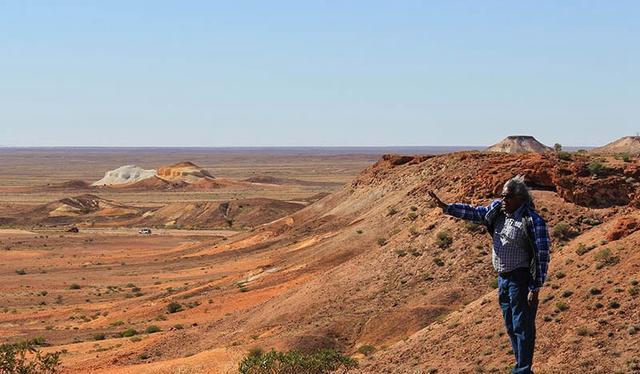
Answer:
[(464, 211)]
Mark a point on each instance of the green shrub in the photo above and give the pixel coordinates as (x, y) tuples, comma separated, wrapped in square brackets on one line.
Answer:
[(359, 231), (562, 306), (438, 261), (178, 327), (99, 336), (562, 230), (152, 329), (174, 307), (560, 275), (401, 252), (367, 349), (494, 283), (74, 286), (24, 358), (392, 211), (605, 257), (381, 241), (614, 304), (473, 227), (583, 249), (596, 167), (413, 208), (443, 239), (321, 361), (128, 333), (566, 156), (412, 216)]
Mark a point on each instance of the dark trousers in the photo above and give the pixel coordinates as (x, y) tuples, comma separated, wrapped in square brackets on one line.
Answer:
[(519, 317)]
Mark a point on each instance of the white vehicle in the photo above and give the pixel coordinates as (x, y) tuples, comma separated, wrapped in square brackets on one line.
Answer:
[(145, 231)]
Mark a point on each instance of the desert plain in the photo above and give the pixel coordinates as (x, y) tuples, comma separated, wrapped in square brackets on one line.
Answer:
[(307, 249)]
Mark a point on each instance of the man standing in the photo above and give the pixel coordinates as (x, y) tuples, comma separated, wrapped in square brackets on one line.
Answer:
[(520, 256)]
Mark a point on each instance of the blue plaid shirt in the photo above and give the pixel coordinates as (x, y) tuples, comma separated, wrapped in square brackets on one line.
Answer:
[(487, 215)]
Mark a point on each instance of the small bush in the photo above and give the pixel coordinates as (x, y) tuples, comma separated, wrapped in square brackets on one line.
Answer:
[(566, 156), (359, 231), (595, 291), (392, 211), (178, 327), (99, 336), (614, 304), (128, 333), (25, 358), (74, 286), (562, 230), (560, 274), (562, 306), (367, 349), (473, 227), (494, 283), (413, 208), (443, 239), (381, 241), (596, 167), (151, 329), (401, 252), (605, 257), (412, 216), (21, 271), (567, 293), (174, 307), (438, 261), (583, 249), (321, 361)]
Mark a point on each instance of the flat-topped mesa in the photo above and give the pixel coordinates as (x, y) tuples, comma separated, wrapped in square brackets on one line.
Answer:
[(184, 171), (626, 144), (519, 144)]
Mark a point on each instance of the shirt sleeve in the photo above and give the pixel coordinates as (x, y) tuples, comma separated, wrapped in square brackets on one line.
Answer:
[(468, 212), (543, 246)]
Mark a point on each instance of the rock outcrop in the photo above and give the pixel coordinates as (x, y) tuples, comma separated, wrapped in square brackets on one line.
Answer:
[(124, 175)]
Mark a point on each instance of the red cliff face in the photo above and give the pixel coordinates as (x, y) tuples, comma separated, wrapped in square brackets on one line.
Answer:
[(183, 170)]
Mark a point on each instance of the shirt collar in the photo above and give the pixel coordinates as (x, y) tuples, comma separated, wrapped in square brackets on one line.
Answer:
[(517, 215)]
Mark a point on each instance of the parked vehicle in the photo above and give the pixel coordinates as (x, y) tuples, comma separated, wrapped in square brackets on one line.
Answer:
[(145, 231)]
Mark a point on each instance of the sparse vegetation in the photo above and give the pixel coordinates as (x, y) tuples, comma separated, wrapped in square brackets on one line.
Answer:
[(381, 241), (412, 216), (21, 271), (74, 286), (321, 361), (151, 329), (99, 336), (392, 211), (367, 349), (438, 261), (562, 306), (562, 231), (596, 168), (174, 307), (565, 156), (583, 249), (128, 333), (605, 257), (443, 239), (25, 358)]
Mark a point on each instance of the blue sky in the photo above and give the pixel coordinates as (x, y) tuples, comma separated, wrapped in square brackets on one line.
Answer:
[(326, 73)]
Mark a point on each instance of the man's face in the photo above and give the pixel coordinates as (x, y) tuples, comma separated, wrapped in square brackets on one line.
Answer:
[(510, 201)]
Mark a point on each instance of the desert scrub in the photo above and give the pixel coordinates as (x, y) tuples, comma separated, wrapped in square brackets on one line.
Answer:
[(392, 211), (443, 239), (367, 349), (412, 216), (21, 271), (381, 241), (74, 286), (562, 231), (473, 227), (25, 358), (401, 252), (128, 333), (596, 168), (605, 257), (99, 336), (562, 306), (583, 249), (174, 307), (438, 261), (151, 329), (566, 156), (321, 361)]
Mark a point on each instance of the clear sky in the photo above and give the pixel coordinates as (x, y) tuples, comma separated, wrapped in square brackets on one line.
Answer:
[(301, 73)]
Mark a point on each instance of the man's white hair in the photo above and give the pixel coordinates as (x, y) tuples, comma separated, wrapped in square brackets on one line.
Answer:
[(517, 186)]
